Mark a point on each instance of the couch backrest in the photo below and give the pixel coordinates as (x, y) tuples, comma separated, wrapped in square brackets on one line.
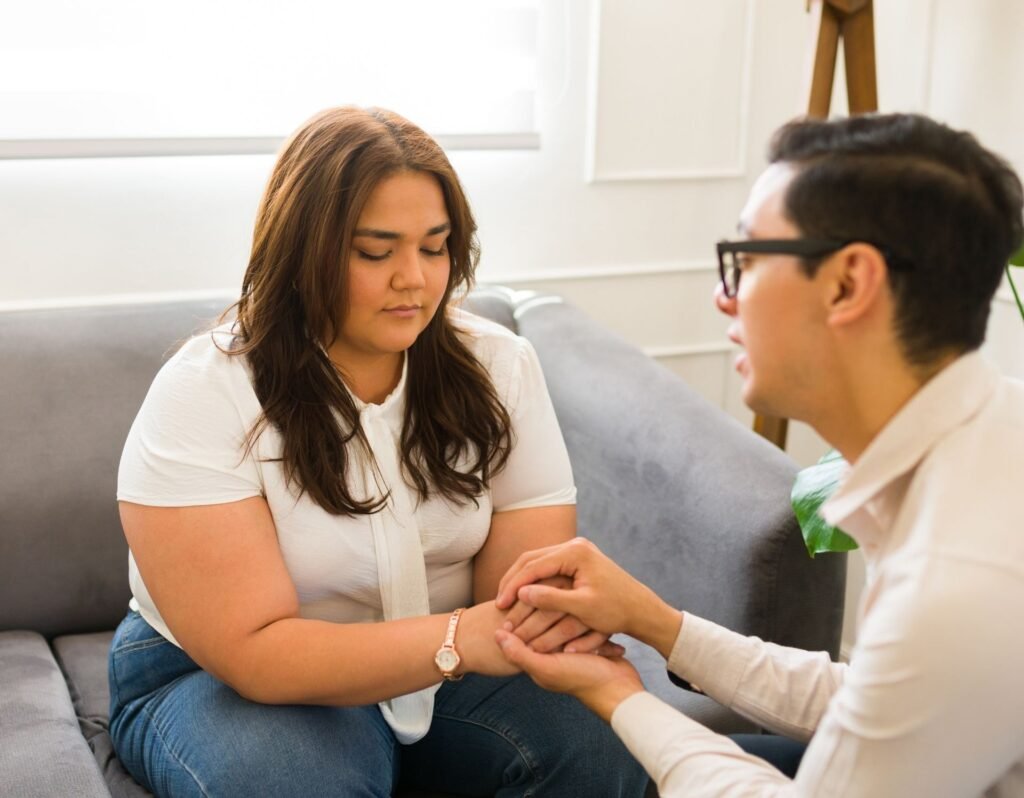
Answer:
[(682, 495), (72, 381)]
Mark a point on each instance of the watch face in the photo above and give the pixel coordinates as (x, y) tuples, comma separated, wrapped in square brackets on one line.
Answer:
[(447, 660)]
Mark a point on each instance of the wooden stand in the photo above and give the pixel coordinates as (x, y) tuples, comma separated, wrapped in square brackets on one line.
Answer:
[(854, 22)]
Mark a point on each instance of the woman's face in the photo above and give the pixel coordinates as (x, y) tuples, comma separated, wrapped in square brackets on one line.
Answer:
[(397, 270)]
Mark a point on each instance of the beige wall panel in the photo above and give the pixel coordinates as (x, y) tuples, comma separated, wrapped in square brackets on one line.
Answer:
[(1005, 342), (670, 96), (976, 68)]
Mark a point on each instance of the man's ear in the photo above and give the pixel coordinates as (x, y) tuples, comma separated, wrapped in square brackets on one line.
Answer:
[(856, 284)]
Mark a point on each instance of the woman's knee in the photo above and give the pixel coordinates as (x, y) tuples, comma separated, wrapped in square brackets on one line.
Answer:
[(584, 751), (550, 744), (201, 738)]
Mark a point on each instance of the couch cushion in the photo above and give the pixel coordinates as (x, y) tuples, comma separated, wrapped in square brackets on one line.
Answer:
[(43, 752), (83, 658), (84, 661)]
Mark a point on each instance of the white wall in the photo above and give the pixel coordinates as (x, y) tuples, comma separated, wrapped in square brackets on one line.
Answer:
[(665, 104)]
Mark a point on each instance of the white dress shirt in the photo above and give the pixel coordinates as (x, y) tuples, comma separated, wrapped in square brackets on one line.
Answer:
[(931, 703), (413, 558)]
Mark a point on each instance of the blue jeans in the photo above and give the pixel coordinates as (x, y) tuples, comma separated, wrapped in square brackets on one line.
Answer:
[(181, 732), (781, 752)]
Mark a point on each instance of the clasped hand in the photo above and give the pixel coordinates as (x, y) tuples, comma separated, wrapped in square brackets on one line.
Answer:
[(603, 598), (566, 590), (551, 628)]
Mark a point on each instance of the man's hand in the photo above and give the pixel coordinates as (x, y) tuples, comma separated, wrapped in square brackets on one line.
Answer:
[(551, 630), (603, 596), (600, 682)]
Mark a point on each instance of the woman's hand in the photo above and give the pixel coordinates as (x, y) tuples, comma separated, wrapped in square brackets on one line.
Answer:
[(478, 648), (603, 596), (552, 630), (600, 682), (476, 645)]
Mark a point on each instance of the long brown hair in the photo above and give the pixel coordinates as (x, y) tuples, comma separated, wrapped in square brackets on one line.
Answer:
[(295, 289)]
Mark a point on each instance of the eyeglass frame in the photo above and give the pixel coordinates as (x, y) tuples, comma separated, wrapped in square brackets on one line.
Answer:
[(799, 247)]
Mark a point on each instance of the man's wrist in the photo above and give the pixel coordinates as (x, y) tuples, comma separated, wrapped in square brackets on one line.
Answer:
[(658, 626), (604, 700)]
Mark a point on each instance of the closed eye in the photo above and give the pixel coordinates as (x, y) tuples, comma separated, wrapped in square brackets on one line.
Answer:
[(370, 256), (436, 253)]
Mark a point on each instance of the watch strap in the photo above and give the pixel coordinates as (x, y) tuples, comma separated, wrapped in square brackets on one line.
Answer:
[(449, 642)]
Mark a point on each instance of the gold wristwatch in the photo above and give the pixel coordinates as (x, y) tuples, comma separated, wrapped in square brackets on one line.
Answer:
[(447, 658)]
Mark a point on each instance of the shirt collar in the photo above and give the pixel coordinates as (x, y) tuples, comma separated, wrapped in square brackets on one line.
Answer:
[(943, 403), (392, 404)]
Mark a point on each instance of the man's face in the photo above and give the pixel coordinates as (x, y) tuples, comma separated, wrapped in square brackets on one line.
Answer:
[(778, 314)]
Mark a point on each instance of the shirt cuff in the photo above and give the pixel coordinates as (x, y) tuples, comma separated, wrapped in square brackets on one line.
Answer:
[(710, 657), (685, 758), (647, 725)]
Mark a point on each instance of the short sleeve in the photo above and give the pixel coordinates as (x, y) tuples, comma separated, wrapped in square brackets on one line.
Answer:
[(187, 444), (537, 473)]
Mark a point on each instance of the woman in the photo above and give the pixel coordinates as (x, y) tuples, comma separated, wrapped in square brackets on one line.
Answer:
[(314, 492)]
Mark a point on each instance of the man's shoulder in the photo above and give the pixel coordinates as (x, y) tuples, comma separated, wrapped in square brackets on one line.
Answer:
[(965, 494)]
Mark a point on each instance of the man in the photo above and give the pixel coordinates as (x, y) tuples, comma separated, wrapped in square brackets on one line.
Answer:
[(872, 247)]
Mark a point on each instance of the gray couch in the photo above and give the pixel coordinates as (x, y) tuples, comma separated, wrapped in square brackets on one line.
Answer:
[(680, 494)]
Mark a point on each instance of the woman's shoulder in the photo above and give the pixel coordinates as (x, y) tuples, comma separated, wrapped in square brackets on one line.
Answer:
[(208, 352), (484, 336), (204, 368), (496, 347), (509, 358)]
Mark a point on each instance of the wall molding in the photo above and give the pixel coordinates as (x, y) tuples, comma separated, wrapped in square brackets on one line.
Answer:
[(689, 350), (602, 272), (39, 149), (729, 172)]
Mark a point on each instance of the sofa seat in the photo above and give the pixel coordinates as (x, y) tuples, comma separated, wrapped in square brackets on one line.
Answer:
[(71, 701), (43, 752)]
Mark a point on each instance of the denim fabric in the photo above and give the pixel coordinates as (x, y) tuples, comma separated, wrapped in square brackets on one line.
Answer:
[(781, 752), (181, 732)]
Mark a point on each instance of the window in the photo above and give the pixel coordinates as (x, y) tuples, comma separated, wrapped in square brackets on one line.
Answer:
[(123, 77)]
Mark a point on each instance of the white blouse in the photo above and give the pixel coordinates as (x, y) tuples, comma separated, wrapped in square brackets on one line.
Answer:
[(413, 558)]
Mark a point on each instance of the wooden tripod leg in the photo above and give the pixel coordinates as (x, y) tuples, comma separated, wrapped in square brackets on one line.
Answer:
[(772, 429), (858, 31), (822, 55)]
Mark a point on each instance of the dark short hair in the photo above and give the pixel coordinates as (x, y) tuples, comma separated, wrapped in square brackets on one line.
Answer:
[(930, 195)]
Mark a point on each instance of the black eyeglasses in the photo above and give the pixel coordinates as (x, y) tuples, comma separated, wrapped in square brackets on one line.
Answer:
[(729, 262)]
